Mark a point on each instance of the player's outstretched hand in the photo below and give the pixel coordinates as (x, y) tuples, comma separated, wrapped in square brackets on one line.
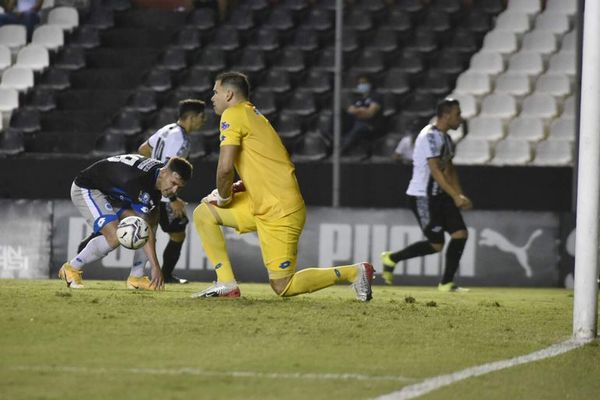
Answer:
[(215, 199)]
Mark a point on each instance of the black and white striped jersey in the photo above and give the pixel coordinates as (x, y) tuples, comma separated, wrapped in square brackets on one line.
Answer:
[(169, 141), (430, 143)]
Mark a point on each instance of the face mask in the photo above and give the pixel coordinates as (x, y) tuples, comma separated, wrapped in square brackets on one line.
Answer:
[(363, 88)]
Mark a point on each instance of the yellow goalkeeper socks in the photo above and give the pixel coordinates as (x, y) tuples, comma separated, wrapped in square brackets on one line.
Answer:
[(312, 279), (213, 242)]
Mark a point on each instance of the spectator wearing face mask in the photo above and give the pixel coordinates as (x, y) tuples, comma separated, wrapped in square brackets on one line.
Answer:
[(364, 114)]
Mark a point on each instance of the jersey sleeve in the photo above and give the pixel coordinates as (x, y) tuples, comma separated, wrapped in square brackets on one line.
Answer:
[(230, 128), (153, 139), (433, 146)]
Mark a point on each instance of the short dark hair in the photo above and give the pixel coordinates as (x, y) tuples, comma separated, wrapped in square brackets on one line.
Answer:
[(181, 166), (237, 80), (190, 106), (446, 105)]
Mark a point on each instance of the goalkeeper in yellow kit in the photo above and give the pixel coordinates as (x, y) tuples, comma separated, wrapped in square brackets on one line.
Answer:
[(268, 202)]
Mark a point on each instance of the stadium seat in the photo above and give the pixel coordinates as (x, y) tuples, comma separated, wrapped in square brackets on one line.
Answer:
[(101, 19), (384, 40), (438, 22), (127, 123), (34, 57), (477, 22), (203, 19), (250, 61), (563, 63), (86, 37), (413, 7), (20, 79), (369, 62), (472, 152), (305, 39), (514, 84), (289, 128), (358, 20), (241, 20), (264, 101), (110, 144), (66, 18), (158, 80), (277, 81), (557, 23), (384, 147), (280, 19), (143, 101), (319, 20), (512, 152), (529, 7), (13, 36), (501, 42), (292, 61), (463, 41), (424, 41), (54, 79), (513, 21), (527, 63), (568, 7), (265, 40), (449, 63), (557, 85), (395, 81), (473, 83), (420, 105), (197, 149), (9, 101), (49, 36), (499, 105), (569, 41), (488, 128), (540, 106), (188, 39), (562, 129), (410, 63), (211, 59), (196, 80), (542, 42), (70, 58), (555, 153), (11, 143), (311, 147), (302, 103), (26, 121), (5, 57), (485, 62), (399, 21), (468, 104), (318, 82), (42, 100), (569, 107), (526, 128), (434, 83)]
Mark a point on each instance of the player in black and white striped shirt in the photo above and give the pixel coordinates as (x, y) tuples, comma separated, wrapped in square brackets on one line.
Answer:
[(170, 141), (435, 197)]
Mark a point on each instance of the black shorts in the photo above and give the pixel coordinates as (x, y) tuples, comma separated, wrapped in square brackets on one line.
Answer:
[(436, 215), (169, 223)]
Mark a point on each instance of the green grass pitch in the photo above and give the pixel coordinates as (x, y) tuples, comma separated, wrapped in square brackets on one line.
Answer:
[(106, 342)]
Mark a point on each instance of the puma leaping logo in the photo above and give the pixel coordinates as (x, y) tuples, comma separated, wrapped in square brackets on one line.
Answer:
[(495, 239)]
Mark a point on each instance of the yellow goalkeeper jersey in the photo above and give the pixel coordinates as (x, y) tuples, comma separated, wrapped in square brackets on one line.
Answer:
[(263, 163)]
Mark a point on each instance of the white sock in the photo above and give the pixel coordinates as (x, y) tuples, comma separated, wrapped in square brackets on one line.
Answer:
[(139, 262), (96, 249)]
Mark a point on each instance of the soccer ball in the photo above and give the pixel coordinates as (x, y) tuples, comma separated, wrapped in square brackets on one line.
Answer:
[(133, 232)]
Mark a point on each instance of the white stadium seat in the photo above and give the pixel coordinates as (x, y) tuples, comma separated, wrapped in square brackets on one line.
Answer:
[(569, 107), (512, 152), (501, 42), (569, 41), (526, 63), (472, 151), (518, 85), (486, 62), (473, 83), (66, 18), (5, 57), (20, 79), (563, 62), (562, 129), (13, 36), (49, 36), (556, 153), (524, 128), (499, 105), (33, 56), (529, 7), (468, 104), (486, 128), (539, 105), (539, 42), (558, 85), (554, 22), (568, 7), (9, 101), (512, 21)]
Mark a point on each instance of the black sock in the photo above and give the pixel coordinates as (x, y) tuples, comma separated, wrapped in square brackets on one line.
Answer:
[(453, 255), (170, 257), (417, 249)]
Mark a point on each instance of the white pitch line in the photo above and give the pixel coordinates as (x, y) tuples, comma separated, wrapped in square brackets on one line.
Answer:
[(201, 372), (436, 382)]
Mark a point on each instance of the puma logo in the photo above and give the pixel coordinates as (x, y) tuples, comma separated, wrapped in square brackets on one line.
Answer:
[(494, 239)]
